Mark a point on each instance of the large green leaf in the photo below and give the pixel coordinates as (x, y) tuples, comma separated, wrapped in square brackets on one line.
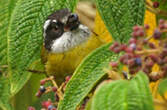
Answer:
[(4, 94), (121, 15), (124, 95), (6, 9), (25, 36), (86, 76)]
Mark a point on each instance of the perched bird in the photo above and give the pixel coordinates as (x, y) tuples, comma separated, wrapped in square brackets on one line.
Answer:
[(66, 42)]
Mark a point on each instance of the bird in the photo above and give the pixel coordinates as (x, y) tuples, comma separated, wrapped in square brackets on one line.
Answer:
[(66, 42)]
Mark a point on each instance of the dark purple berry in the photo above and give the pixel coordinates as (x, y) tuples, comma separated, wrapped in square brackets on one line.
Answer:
[(156, 4), (138, 61), (157, 34), (42, 89), (56, 97)]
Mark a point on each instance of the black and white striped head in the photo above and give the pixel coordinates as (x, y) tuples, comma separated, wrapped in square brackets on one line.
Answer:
[(63, 31)]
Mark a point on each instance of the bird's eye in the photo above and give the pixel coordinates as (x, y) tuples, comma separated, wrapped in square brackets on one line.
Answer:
[(56, 27)]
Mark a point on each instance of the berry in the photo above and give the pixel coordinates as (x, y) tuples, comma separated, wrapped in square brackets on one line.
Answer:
[(157, 34), (31, 108), (117, 49), (162, 26), (56, 97), (114, 64), (146, 26), (123, 47), (54, 89), (51, 107), (136, 28), (133, 46), (42, 89), (140, 33), (151, 45), (42, 82), (46, 104), (68, 78), (155, 4), (131, 62), (132, 40), (129, 50), (154, 57), (138, 61), (161, 21)]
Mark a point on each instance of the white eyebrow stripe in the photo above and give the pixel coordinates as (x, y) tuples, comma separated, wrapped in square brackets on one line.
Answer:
[(46, 24), (54, 21)]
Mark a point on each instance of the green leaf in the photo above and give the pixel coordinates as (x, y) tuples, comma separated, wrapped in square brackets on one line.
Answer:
[(6, 9), (5, 94), (124, 95), (162, 87), (86, 76), (121, 15), (25, 36)]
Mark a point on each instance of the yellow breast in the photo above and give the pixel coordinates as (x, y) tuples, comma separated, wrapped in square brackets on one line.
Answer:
[(61, 64)]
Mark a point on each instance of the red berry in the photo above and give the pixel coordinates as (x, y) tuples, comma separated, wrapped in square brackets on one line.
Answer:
[(140, 33), (154, 57), (42, 82), (146, 26), (161, 21), (129, 50), (123, 47), (134, 34), (117, 49), (68, 78), (151, 45), (31, 108), (156, 4), (131, 62), (162, 26), (114, 64), (132, 40), (54, 89), (149, 63), (136, 28), (46, 104)]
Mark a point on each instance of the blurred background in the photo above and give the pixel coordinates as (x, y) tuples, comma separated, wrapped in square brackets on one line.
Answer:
[(86, 10)]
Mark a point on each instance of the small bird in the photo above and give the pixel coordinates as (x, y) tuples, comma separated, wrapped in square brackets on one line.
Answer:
[(66, 42)]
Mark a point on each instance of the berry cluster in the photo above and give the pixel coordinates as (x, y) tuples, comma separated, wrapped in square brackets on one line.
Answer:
[(142, 54), (58, 93)]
